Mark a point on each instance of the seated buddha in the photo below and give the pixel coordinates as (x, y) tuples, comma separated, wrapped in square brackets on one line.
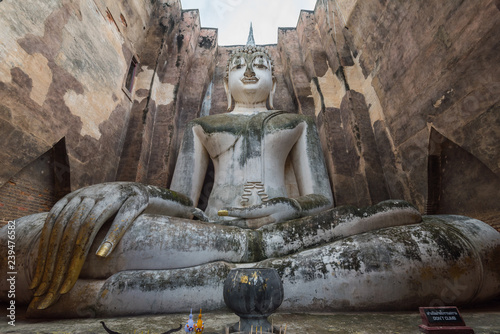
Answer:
[(126, 248)]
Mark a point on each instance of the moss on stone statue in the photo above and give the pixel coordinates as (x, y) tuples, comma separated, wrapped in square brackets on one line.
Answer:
[(312, 201), (450, 241), (236, 123), (351, 260), (154, 280), (366, 252), (169, 195), (255, 248)]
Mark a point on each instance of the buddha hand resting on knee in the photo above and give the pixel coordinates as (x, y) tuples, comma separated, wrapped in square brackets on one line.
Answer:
[(73, 222)]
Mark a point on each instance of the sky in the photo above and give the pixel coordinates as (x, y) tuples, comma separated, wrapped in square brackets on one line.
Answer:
[(233, 17)]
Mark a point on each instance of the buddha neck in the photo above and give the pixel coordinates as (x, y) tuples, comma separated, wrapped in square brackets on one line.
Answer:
[(249, 108)]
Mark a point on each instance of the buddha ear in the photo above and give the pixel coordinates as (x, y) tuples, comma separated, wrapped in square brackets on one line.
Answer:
[(271, 94), (228, 95)]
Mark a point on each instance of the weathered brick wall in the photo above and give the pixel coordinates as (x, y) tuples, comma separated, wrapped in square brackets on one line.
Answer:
[(30, 191), (62, 69), (38, 186), (432, 67), (421, 68), (153, 93)]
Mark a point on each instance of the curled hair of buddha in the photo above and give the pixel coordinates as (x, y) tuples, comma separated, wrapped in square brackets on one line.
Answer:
[(249, 49)]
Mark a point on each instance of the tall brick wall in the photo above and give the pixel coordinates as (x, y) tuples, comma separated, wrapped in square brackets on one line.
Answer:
[(38, 186), (427, 68), (32, 190), (63, 67)]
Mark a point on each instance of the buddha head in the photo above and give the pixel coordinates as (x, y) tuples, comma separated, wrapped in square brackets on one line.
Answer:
[(250, 76)]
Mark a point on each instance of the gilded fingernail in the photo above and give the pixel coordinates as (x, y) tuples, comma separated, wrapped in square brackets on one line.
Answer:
[(33, 304), (104, 250), (223, 213), (66, 287), (33, 285), (47, 301)]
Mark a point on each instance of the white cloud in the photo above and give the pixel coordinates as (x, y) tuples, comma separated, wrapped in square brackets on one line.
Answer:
[(233, 17)]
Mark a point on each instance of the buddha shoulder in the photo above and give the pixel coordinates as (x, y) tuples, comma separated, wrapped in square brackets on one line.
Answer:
[(235, 123), (287, 120), (229, 123)]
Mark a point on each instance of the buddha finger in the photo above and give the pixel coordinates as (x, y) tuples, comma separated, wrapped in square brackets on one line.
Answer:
[(275, 206), (201, 215), (44, 241), (99, 215), (53, 245), (45, 237), (33, 306), (256, 211), (65, 251), (129, 211), (255, 223)]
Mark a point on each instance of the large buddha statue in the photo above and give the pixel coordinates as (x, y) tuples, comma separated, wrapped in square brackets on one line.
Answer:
[(127, 248)]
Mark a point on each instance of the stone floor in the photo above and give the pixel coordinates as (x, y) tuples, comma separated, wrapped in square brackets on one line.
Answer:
[(484, 320)]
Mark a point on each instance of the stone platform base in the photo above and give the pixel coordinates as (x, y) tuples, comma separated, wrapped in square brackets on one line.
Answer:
[(446, 330)]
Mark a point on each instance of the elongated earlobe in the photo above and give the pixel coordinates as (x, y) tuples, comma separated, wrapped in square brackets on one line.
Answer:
[(271, 94), (228, 96)]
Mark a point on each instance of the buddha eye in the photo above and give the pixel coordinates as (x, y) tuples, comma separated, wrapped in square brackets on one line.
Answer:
[(237, 63), (260, 62)]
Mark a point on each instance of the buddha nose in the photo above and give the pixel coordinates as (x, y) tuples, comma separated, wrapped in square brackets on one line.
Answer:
[(249, 71)]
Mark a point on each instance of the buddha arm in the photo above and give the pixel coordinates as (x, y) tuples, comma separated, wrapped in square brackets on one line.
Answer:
[(168, 203), (310, 170), (191, 165)]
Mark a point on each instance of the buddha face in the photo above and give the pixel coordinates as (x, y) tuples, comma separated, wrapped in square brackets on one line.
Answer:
[(250, 78)]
